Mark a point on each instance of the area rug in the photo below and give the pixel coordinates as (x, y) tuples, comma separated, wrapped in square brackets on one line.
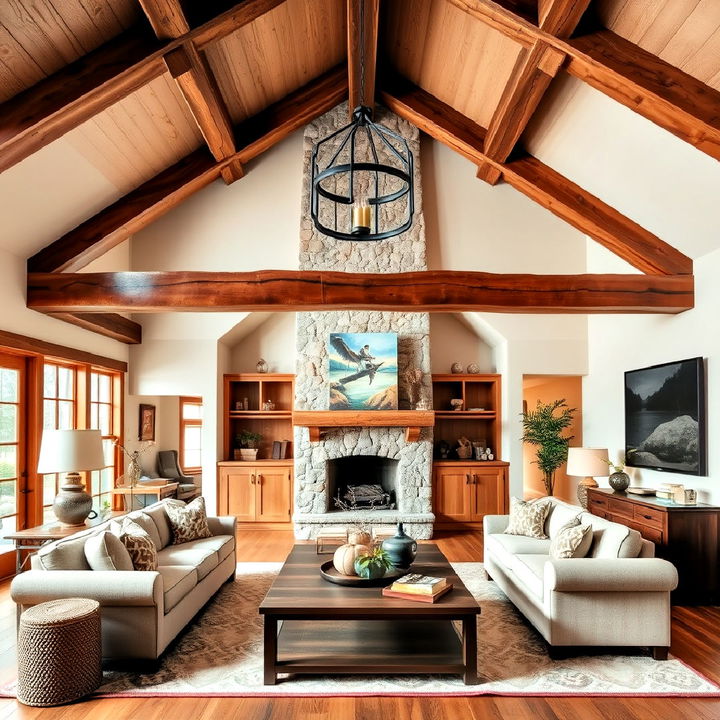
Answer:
[(221, 655)]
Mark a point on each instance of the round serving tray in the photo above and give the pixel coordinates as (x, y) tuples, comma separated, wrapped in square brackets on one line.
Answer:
[(329, 573)]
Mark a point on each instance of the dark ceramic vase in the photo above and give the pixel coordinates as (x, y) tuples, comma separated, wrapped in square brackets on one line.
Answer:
[(401, 548), (619, 481)]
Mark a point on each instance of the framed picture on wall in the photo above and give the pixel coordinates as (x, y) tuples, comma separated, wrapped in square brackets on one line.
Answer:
[(146, 424)]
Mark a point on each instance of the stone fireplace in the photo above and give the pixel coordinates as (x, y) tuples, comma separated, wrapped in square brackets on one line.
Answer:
[(345, 455), (349, 478)]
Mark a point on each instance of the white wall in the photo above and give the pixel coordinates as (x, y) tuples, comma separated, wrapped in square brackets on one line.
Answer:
[(453, 339), (626, 342), (273, 340)]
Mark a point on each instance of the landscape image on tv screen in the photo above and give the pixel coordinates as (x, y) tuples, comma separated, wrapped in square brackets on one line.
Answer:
[(664, 417)]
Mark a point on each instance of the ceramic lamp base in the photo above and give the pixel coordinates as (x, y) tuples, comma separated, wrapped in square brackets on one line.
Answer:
[(72, 504), (582, 490)]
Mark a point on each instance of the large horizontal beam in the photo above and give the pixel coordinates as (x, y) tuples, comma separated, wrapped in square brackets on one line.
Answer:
[(278, 290), (76, 249), (639, 80), (540, 183), (52, 107)]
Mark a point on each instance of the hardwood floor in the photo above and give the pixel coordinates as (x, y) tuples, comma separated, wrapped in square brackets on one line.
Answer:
[(696, 640)]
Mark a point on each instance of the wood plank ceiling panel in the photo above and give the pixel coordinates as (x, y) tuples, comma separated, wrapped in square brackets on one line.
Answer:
[(441, 49), (684, 33), (279, 52), (138, 137), (39, 37)]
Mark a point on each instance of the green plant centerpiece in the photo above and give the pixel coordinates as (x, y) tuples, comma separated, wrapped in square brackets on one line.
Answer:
[(247, 439), (544, 427), (374, 564)]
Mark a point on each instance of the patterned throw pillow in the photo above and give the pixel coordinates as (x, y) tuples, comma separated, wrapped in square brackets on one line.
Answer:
[(528, 518), (188, 522), (572, 541), (138, 543)]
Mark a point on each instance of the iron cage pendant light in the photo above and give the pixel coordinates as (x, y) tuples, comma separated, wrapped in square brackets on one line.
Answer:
[(365, 190)]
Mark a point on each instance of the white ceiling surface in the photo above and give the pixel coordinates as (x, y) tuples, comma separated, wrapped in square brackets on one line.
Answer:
[(643, 171), (48, 194)]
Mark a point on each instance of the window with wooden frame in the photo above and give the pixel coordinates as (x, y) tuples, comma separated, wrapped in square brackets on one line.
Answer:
[(106, 416), (59, 413), (191, 435)]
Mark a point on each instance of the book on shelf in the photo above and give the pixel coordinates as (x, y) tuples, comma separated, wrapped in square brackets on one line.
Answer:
[(416, 584), (417, 597), (276, 449)]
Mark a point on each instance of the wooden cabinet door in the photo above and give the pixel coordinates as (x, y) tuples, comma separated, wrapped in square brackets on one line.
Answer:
[(241, 484), (488, 490), (274, 494), (452, 493)]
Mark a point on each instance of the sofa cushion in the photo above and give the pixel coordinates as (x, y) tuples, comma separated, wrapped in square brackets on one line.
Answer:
[(611, 539), (204, 559), (105, 551), (143, 552), (178, 581), (188, 522), (148, 525), (560, 514), (528, 518), (504, 547), (223, 545), (571, 541), (157, 512), (68, 553), (529, 571)]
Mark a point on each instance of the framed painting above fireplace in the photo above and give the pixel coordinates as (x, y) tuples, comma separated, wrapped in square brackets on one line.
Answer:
[(363, 371)]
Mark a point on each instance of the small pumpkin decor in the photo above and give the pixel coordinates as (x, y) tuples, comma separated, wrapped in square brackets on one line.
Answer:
[(345, 556), (372, 564), (360, 537)]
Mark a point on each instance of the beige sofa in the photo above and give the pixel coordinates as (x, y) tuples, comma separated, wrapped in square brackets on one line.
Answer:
[(142, 611), (619, 595)]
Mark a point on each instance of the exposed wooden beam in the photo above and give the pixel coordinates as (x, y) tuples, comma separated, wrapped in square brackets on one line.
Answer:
[(651, 87), (52, 107), (110, 325), (564, 198), (560, 17), (32, 346), (123, 218), (639, 80), (166, 17), (590, 215), (435, 118), (201, 92), (437, 291), (362, 36), (489, 173), (154, 198), (68, 98), (533, 72)]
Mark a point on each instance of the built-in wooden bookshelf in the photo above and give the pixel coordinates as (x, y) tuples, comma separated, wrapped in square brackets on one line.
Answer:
[(256, 389)]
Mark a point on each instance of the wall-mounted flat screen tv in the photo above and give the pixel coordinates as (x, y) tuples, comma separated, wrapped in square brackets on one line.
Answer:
[(665, 417)]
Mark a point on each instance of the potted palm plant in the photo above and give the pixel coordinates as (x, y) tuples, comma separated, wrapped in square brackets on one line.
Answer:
[(544, 427)]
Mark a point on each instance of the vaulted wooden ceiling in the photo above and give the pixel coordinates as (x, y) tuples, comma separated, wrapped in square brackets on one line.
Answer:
[(166, 96)]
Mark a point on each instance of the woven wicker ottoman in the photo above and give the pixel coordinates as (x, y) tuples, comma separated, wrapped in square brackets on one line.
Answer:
[(59, 652)]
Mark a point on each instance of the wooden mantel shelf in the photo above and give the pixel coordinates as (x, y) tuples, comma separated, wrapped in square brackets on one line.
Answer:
[(318, 421)]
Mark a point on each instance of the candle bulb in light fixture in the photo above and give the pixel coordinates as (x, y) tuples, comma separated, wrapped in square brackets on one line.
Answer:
[(361, 217)]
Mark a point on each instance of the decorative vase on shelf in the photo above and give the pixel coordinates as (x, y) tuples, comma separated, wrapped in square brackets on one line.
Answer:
[(456, 368), (262, 366), (401, 548), (619, 481)]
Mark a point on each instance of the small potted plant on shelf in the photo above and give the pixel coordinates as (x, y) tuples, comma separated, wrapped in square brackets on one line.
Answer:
[(619, 479), (373, 564), (247, 445)]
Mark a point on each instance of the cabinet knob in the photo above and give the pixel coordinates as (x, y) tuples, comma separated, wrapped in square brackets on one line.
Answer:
[(259, 479), (467, 479), (252, 478), (475, 479)]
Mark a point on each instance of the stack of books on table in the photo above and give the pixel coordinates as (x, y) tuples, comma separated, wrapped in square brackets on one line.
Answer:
[(420, 588), (667, 491)]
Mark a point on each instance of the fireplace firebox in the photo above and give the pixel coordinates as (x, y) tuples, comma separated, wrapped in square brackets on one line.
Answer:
[(361, 482)]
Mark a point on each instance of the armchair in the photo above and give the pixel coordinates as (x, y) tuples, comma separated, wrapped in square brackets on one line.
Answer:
[(168, 467)]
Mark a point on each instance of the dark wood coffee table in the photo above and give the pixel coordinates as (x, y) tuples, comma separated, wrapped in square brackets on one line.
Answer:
[(329, 629)]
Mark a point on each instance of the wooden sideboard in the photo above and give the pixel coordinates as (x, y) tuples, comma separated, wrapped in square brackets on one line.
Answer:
[(686, 535)]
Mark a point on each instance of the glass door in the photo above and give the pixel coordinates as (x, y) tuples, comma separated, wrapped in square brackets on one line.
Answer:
[(13, 475)]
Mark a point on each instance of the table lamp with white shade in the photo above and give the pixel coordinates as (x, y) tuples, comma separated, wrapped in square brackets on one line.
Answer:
[(71, 452), (587, 463)]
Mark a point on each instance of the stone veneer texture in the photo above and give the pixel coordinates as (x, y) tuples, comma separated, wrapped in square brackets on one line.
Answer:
[(401, 254)]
